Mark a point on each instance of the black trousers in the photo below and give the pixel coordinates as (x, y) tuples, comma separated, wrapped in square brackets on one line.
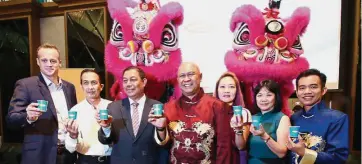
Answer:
[(89, 159), (65, 157)]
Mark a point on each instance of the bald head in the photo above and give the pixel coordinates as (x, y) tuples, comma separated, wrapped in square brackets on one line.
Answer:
[(189, 78), (189, 66)]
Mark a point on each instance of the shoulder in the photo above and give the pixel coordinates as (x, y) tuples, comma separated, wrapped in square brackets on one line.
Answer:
[(67, 83), (116, 103), (171, 103), (28, 81), (78, 106), (333, 115), (213, 100), (296, 115), (152, 101)]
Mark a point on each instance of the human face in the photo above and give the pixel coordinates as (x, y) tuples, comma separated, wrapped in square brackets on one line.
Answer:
[(189, 79), (265, 99), (310, 91), (227, 89), (133, 85), (91, 85), (48, 62)]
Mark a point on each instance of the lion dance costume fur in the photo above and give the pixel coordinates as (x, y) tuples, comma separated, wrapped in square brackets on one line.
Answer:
[(144, 34), (266, 46)]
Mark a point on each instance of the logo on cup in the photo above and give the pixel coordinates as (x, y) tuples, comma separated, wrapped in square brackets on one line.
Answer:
[(42, 105), (158, 109), (103, 114), (72, 115), (237, 110)]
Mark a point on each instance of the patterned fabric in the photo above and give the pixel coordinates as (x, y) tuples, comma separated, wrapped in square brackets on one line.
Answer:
[(135, 118), (199, 129), (329, 139)]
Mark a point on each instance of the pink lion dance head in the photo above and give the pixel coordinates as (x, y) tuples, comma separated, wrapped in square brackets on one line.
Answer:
[(266, 46), (144, 34)]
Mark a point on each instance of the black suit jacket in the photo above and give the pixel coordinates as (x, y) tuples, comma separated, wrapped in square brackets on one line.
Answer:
[(127, 148), (41, 137)]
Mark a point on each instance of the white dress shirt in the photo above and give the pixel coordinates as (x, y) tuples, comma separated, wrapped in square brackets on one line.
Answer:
[(87, 142), (60, 103), (141, 104)]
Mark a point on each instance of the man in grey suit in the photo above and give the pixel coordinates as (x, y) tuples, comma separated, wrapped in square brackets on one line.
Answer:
[(127, 127), (44, 134)]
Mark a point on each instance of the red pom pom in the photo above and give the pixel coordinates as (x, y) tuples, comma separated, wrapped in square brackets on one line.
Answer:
[(281, 43), (261, 41)]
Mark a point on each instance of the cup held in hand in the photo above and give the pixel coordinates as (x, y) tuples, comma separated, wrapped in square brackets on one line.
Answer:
[(103, 114), (158, 110), (42, 105), (256, 121), (72, 115), (237, 110), (294, 131)]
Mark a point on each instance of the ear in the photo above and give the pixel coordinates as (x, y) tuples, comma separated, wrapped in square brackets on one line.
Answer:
[(200, 76), (38, 61), (144, 82), (102, 85), (324, 91)]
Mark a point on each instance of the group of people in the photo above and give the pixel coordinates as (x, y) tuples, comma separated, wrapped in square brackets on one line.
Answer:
[(195, 128)]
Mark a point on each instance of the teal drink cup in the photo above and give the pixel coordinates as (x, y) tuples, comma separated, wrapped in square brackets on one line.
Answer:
[(256, 121), (42, 105), (158, 110), (294, 131), (72, 115), (103, 114), (237, 110)]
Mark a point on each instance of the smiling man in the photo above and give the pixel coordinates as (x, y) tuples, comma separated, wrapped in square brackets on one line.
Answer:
[(197, 123), (127, 127), (44, 131), (323, 131), (83, 133)]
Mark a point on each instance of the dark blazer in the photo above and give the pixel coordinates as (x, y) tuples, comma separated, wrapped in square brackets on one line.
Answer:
[(127, 148), (40, 137)]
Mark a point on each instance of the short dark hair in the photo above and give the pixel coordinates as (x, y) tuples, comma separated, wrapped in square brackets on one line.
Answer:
[(310, 72), (90, 70), (273, 87), (138, 69)]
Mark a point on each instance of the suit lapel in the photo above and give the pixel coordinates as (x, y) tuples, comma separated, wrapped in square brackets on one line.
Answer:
[(47, 96), (144, 121), (127, 111), (66, 94)]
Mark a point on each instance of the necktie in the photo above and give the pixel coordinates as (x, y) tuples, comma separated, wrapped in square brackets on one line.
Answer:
[(135, 118)]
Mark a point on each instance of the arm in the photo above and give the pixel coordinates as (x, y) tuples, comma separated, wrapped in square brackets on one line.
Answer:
[(336, 150), (72, 144), (105, 135), (223, 139), (278, 147), (241, 140), (16, 117)]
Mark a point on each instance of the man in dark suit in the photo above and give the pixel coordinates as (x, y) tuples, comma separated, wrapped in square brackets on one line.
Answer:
[(44, 131), (127, 126)]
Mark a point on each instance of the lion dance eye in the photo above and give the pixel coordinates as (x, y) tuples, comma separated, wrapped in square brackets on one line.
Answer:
[(297, 45), (117, 33), (169, 37), (241, 35)]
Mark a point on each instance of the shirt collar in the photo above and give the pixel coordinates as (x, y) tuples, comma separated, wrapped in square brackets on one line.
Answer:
[(48, 82), (194, 100), (87, 102), (140, 102), (315, 109)]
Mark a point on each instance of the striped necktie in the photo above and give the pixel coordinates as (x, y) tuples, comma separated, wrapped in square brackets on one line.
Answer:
[(135, 118)]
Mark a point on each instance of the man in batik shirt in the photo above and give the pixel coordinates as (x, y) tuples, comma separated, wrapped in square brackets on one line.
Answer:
[(198, 123)]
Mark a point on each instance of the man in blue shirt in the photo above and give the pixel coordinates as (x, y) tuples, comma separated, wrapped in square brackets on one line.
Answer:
[(323, 131)]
